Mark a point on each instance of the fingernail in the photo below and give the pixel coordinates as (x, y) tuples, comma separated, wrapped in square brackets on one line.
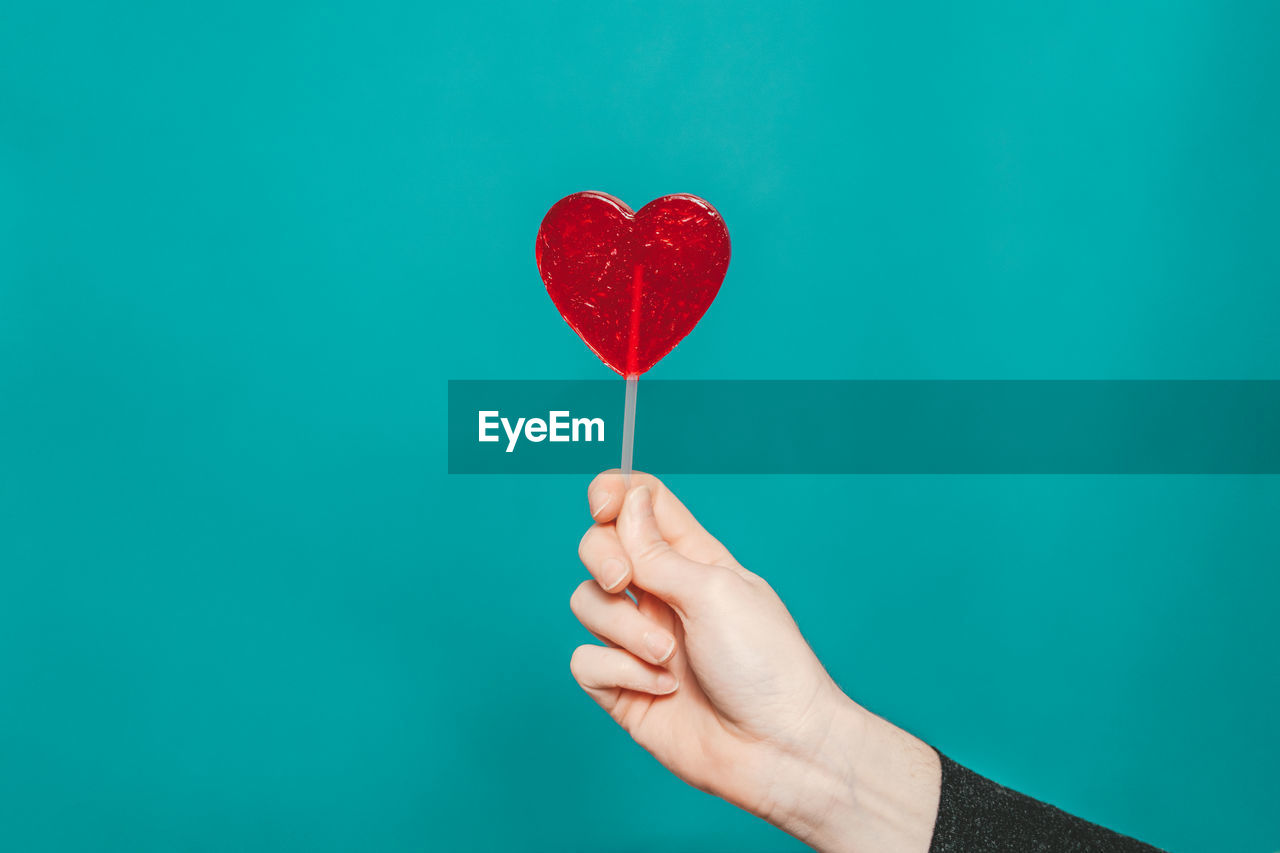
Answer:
[(660, 645), (644, 503), (615, 569), (666, 683), (599, 502)]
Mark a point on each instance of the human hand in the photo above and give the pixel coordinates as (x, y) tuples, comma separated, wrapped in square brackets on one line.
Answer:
[(707, 671)]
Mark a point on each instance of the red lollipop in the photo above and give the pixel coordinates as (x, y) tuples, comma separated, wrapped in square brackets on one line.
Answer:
[(632, 285)]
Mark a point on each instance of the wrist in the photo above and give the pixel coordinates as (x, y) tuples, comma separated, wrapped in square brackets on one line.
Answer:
[(862, 785)]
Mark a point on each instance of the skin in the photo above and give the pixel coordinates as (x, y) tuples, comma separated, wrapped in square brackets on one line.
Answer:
[(706, 670)]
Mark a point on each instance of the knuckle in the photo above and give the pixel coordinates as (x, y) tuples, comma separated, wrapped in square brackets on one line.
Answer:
[(719, 583), (654, 550), (619, 670)]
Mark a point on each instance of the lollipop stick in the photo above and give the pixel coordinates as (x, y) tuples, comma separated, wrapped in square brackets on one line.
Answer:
[(633, 376), (629, 428)]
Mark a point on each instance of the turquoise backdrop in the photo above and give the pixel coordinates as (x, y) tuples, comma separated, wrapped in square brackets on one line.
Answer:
[(243, 246)]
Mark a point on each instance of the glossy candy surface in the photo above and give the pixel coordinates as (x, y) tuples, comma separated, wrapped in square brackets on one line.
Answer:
[(632, 285)]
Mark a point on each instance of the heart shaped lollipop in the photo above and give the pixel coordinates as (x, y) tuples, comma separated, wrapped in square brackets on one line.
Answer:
[(632, 285)]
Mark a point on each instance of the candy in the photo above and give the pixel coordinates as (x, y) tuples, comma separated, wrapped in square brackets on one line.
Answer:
[(632, 285)]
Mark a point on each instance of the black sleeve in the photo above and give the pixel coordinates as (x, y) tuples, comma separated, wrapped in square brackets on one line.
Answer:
[(976, 814)]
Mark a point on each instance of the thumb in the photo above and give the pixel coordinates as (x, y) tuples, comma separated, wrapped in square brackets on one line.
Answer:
[(657, 567)]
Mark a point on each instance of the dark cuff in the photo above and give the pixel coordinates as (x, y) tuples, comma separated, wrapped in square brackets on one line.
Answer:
[(976, 814)]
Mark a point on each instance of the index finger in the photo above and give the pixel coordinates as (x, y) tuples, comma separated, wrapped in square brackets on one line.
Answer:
[(678, 526)]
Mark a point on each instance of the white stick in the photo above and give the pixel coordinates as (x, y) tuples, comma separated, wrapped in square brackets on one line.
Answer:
[(629, 429)]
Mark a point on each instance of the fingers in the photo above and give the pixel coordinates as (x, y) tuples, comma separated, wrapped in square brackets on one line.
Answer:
[(603, 671), (655, 565), (616, 619), (605, 497), (604, 557)]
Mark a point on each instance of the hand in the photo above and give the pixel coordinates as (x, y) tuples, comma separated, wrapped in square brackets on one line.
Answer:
[(707, 671)]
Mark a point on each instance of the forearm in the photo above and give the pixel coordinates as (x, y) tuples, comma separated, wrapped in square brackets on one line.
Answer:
[(874, 787), (871, 787)]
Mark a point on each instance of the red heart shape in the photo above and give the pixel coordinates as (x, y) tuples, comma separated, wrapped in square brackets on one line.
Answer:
[(632, 285)]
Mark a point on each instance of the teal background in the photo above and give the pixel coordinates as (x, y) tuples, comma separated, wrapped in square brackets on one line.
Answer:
[(243, 245)]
